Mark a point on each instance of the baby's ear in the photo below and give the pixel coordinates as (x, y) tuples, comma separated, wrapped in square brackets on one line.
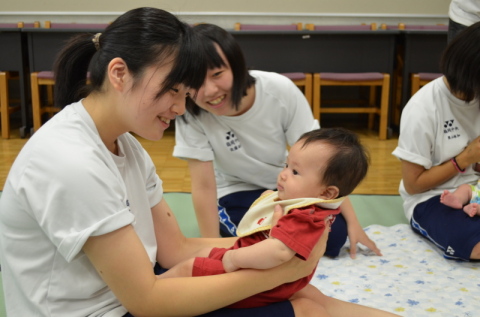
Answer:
[(330, 192)]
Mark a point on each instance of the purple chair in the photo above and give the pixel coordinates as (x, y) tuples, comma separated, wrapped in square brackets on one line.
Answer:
[(369, 79), (302, 80)]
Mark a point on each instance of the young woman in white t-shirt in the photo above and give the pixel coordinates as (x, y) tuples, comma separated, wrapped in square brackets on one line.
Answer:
[(439, 146), (235, 138)]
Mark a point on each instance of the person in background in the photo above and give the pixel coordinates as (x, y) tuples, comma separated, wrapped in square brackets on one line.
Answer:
[(83, 221), (462, 14), (323, 167), (235, 138), (439, 146)]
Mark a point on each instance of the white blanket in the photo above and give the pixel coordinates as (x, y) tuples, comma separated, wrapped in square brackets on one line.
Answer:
[(411, 278)]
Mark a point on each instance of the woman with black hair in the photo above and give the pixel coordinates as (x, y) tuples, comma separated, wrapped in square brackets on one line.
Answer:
[(439, 147), (235, 138), (83, 221)]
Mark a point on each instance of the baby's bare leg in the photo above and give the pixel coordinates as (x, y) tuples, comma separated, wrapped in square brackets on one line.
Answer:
[(458, 198), (472, 209)]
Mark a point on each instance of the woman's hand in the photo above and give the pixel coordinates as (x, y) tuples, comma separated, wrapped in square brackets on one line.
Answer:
[(470, 155)]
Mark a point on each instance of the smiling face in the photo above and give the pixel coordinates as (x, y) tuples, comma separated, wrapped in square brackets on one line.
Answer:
[(152, 112), (215, 94), (303, 172)]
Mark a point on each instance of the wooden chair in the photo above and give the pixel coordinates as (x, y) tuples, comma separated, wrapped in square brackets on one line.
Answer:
[(421, 79), (45, 80), (303, 81), (369, 79), (37, 80)]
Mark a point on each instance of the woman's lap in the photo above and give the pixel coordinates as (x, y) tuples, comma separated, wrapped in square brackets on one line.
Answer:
[(452, 230), (281, 309)]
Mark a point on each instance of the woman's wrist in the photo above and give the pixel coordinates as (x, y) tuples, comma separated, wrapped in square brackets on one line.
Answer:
[(459, 167)]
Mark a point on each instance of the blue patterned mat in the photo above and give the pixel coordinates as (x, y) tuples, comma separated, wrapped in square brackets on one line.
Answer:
[(411, 278)]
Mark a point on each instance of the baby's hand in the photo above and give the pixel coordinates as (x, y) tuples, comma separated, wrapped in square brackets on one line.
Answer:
[(227, 261)]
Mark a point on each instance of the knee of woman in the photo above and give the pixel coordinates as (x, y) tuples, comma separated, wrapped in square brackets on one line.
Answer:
[(475, 255)]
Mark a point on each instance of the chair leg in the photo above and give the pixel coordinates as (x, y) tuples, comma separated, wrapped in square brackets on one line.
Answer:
[(316, 96), (384, 107), (36, 107), (372, 103), (308, 88), (415, 84), (4, 113)]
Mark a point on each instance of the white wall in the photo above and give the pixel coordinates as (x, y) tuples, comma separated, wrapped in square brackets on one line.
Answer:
[(226, 12)]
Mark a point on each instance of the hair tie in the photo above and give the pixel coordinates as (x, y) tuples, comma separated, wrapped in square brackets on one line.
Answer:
[(96, 40)]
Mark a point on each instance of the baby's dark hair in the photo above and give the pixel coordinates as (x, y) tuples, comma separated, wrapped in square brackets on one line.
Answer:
[(348, 165)]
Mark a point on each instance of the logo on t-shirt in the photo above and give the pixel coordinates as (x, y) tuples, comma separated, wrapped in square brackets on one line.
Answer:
[(451, 130), (232, 142)]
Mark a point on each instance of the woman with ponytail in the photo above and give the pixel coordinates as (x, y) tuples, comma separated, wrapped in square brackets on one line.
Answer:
[(83, 222)]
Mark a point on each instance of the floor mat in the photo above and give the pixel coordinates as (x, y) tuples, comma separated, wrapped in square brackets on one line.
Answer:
[(411, 278)]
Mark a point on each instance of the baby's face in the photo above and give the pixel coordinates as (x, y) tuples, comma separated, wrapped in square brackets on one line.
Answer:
[(303, 172)]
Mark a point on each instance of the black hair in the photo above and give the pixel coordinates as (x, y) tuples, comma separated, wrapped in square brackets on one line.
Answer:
[(348, 165), (141, 37), (460, 63), (242, 80)]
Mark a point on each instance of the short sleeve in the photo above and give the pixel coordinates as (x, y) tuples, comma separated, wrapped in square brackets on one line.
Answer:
[(417, 135), (78, 197), (191, 141), (299, 231)]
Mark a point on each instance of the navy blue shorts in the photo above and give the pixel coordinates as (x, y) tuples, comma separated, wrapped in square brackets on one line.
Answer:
[(280, 309), (452, 230), (232, 208)]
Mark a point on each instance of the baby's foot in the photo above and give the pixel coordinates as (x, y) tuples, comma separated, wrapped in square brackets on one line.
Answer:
[(472, 209), (450, 200)]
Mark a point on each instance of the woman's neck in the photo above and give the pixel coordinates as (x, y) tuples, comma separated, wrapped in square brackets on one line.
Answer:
[(102, 112), (247, 101)]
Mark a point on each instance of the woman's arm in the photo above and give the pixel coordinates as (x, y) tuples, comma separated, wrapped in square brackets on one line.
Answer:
[(172, 246), (356, 234), (204, 196), (262, 255), (417, 179), (121, 260)]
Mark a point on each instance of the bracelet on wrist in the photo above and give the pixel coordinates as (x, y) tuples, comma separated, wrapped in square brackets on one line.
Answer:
[(455, 164)]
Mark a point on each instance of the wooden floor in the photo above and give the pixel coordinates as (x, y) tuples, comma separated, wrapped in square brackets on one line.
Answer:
[(382, 179)]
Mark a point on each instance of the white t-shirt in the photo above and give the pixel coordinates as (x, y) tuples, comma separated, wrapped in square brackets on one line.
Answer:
[(465, 12), (248, 150), (64, 187), (436, 126)]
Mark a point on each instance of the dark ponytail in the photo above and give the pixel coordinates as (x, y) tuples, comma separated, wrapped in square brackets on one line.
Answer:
[(141, 37)]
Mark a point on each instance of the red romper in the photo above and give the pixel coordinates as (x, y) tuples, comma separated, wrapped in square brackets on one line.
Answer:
[(300, 229)]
